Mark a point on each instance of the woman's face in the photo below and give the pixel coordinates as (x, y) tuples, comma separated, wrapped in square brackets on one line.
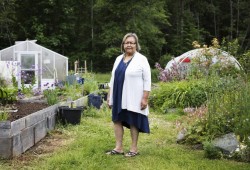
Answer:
[(130, 45)]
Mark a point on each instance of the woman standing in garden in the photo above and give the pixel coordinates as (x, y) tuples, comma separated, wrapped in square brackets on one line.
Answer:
[(130, 85)]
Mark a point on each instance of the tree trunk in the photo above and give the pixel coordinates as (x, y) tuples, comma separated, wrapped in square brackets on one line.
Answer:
[(238, 18), (231, 19), (215, 23)]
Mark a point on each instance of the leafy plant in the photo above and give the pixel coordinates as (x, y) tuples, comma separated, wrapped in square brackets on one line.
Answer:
[(4, 115), (91, 111), (155, 75), (167, 75), (195, 124), (2, 82), (211, 152), (179, 94), (245, 154), (89, 86), (51, 96)]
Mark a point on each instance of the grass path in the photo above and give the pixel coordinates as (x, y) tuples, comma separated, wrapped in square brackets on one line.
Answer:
[(84, 146)]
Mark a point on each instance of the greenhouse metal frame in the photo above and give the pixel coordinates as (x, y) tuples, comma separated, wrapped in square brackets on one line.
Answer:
[(32, 64)]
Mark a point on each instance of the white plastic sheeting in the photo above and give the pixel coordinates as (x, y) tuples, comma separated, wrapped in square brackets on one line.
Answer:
[(47, 65), (217, 56), (9, 69)]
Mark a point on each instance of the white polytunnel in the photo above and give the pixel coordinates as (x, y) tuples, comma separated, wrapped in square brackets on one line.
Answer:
[(216, 54)]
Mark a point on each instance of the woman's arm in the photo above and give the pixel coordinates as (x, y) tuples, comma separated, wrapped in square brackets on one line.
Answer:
[(144, 101)]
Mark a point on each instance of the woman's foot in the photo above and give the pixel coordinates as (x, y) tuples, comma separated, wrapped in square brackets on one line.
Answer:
[(114, 152), (131, 154)]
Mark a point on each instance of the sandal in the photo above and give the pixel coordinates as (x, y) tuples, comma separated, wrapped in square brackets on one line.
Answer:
[(131, 154), (114, 152)]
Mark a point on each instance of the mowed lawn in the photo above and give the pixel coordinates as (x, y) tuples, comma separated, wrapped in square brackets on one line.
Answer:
[(83, 147)]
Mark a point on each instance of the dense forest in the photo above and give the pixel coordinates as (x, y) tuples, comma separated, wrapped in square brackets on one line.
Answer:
[(92, 30)]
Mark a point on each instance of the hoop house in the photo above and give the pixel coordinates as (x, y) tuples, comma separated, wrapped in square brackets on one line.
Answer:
[(32, 64), (217, 56)]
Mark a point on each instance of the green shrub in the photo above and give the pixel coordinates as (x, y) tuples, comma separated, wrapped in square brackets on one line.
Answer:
[(154, 75), (51, 96), (179, 94), (90, 111), (245, 154), (211, 152), (4, 115), (2, 82)]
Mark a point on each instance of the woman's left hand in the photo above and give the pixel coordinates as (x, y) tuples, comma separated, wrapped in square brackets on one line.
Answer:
[(144, 103)]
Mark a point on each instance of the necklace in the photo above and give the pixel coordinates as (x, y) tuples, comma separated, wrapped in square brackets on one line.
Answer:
[(126, 63)]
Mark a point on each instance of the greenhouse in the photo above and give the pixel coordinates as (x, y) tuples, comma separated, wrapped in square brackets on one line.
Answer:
[(216, 56), (32, 65)]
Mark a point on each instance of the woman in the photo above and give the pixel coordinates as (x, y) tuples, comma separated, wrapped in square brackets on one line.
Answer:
[(130, 85)]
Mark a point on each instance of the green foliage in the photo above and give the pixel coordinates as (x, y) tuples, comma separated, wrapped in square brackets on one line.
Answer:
[(3, 115), (227, 111), (51, 96), (154, 75), (164, 59), (179, 94), (26, 90), (211, 152), (14, 81), (2, 82), (245, 154), (102, 77), (90, 112), (232, 47), (92, 30), (83, 147), (90, 84), (8, 95), (245, 61), (144, 25), (7, 22)]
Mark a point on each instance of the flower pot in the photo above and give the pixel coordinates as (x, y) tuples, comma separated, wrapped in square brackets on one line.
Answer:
[(95, 100), (70, 115)]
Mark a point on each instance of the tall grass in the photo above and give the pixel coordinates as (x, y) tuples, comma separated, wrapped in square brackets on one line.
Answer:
[(102, 77), (94, 136)]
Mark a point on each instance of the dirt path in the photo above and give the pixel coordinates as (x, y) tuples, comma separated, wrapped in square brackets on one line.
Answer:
[(52, 142)]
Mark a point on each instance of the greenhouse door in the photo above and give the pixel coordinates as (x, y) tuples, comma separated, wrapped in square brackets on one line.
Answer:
[(29, 66)]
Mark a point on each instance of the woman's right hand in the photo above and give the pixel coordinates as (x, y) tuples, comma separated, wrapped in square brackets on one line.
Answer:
[(110, 106)]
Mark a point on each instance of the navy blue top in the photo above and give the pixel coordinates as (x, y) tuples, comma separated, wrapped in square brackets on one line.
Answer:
[(125, 116)]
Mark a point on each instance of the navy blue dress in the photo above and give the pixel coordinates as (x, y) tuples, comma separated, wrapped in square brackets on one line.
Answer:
[(125, 116)]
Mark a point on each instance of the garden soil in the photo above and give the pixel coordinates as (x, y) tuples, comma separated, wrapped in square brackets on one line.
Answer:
[(52, 141), (25, 108)]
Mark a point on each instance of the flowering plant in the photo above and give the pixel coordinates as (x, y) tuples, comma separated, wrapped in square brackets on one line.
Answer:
[(51, 96), (175, 73)]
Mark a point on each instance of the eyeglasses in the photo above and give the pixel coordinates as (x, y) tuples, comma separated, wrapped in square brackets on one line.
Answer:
[(129, 43)]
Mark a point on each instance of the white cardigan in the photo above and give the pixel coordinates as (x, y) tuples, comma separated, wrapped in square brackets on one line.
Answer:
[(137, 79)]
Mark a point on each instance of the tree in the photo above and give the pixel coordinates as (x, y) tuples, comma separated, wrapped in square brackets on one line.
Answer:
[(7, 17), (145, 18)]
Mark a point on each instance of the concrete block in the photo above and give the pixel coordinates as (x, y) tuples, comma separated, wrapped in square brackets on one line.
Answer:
[(5, 133), (5, 147), (27, 138), (17, 145), (51, 122), (40, 130), (51, 110), (5, 125), (34, 118), (17, 126), (5, 129), (83, 101)]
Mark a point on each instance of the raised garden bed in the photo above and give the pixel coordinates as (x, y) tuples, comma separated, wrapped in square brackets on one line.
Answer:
[(19, 135)]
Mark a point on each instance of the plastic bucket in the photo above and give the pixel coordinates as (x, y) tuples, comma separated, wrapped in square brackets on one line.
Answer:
[(70, 115), (95, 100)]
